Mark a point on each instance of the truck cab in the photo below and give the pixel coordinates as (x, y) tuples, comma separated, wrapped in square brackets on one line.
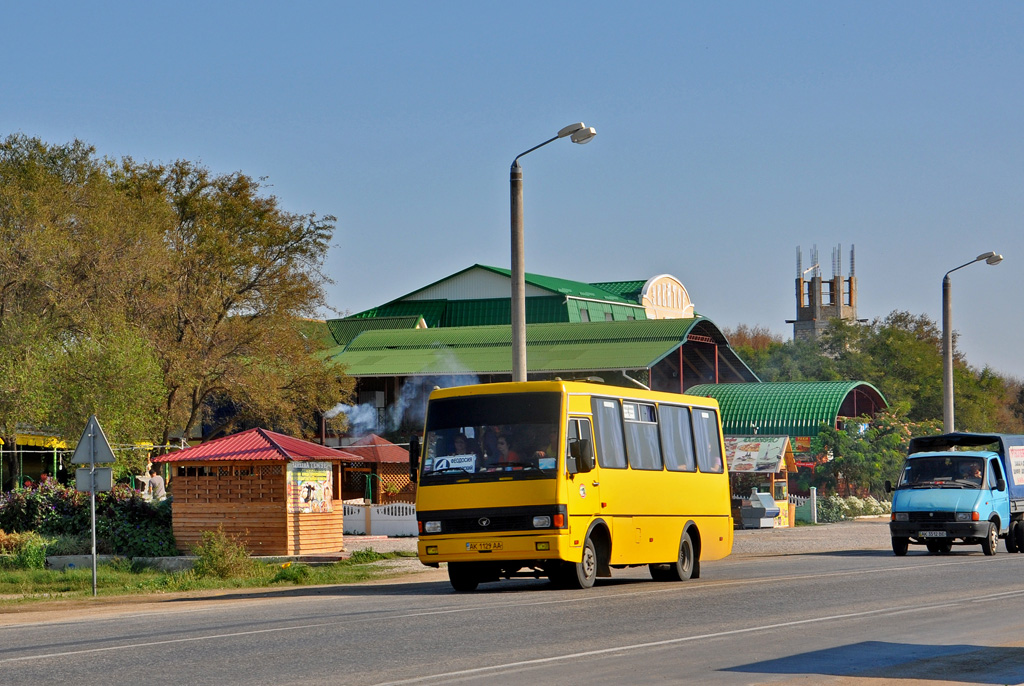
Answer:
[(958, 489)]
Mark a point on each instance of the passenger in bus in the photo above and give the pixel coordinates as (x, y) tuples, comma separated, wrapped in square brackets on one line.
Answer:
[(461, 445)]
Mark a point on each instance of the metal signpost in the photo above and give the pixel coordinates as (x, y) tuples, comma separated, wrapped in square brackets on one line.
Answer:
[(93, 448)]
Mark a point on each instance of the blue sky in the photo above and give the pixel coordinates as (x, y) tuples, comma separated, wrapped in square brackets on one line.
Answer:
[(728, 134)]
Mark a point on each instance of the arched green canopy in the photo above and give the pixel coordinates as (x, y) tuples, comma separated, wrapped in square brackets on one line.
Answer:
[(796, 408)]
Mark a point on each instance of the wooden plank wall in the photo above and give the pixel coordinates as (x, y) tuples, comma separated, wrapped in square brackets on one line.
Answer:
[(317, 532), (249, 502)]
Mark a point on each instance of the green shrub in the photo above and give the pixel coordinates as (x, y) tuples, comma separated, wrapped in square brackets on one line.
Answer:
[(366, 555), (30, 553), (70, 545), (125, 523), (221, 555), (831, 509), (291, 573)]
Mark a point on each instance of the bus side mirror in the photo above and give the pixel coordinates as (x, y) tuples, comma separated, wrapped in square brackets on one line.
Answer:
[(581, 457), (888, 486), (414, 458)]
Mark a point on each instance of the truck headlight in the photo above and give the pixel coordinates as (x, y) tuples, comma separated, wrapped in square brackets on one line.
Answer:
[(900, 516), (542, 522), (963, 516), (432, 527)]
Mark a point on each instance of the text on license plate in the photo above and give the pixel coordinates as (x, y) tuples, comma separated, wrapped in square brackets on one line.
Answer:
[(484, 545), (933, 534)]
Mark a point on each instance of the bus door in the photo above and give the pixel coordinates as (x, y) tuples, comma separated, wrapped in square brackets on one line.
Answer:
[(584, 486)]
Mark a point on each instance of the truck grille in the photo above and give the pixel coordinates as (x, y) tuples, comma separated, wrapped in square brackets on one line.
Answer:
[(924, 517)]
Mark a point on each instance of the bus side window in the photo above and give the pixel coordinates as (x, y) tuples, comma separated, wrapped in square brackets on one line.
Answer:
[(641, 427), (579, 457), (610, 448), (677, 438), (705, 433)]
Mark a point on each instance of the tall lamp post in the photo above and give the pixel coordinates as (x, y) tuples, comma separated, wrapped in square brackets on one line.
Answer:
[(947, 340), (578, 134)]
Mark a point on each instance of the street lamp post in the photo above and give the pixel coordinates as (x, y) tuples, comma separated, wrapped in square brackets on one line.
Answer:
[(579, 134), (947, 340)]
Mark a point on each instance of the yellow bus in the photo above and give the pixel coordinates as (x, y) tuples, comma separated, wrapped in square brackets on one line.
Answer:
[(569, 480)]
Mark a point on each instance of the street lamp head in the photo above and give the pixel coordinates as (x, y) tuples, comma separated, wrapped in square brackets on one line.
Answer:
[(570, 129), (992, 258), (584, 135)]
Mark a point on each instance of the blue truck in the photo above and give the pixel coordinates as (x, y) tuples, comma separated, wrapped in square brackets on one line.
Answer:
[(960, 489)]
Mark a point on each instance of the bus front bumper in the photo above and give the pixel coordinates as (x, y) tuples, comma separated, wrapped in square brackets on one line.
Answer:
[(525, 548)]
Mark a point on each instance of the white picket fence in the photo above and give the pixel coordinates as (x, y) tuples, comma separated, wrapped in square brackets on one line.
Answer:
[(392, 519)]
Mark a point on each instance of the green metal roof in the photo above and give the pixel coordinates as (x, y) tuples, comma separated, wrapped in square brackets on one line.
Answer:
[(574, 289), (432, 311), (490, 311), (630, 290), (344, 330), (555, 347), (793, 408)]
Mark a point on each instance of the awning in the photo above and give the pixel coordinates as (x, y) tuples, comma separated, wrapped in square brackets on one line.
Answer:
[(760, 454), (41, 441)]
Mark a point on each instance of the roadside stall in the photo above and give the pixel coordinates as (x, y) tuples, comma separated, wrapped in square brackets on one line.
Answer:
[(280, 495), (760, 464)]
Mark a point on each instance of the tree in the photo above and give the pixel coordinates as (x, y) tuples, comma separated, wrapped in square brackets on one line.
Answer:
[(243, 274), (867, 452)]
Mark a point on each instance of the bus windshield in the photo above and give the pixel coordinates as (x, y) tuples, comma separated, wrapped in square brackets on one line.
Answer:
[(944, 471), (483, 438)]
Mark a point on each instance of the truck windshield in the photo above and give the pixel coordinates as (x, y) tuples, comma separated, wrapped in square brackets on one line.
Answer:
[(491, 437), (943, 471)]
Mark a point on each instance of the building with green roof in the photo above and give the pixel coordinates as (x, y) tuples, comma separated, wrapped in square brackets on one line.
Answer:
[(458, 330)]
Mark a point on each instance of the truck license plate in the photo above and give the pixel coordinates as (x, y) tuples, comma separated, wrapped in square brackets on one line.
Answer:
[(932, 534)]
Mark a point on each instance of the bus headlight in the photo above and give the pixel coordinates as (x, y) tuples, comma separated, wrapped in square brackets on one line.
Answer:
[(432, 527), (542, 522), (900, 516)]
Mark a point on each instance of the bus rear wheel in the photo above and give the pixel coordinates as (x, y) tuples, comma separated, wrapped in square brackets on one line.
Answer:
[(682, 568), (463, 576)]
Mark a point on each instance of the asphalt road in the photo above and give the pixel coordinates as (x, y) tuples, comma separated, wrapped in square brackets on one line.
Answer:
[(814, 605)]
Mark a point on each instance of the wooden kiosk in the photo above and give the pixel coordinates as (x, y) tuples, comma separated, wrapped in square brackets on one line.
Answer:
[(279, 495), (761, 463)]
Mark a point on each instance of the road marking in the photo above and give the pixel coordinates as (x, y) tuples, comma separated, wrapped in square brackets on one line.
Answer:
[(589, 597), (447, 676)]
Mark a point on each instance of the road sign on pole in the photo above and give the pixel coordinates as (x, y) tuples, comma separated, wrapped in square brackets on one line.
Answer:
[(99, 480), (93, 447)]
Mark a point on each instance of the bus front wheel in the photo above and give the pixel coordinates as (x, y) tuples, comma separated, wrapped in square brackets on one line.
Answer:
[(463, 577), (580, 574)]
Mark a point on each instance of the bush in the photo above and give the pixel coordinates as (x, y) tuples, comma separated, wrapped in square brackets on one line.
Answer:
[(835, 509), (71, 545), (125, 523), (291, 573), (366, 555), (29, 552), (830, 509), (222, 555)]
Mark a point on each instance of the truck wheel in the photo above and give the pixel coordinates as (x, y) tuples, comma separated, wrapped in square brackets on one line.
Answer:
[(989, 545), (1020, 537), (1011, 538), (463, 576), (900, 544)]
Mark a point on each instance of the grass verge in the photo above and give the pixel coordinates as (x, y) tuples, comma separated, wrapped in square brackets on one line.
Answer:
[(123, 578)]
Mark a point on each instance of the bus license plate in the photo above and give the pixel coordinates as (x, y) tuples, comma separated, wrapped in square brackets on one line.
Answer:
[(483, 546), (932, 534)]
